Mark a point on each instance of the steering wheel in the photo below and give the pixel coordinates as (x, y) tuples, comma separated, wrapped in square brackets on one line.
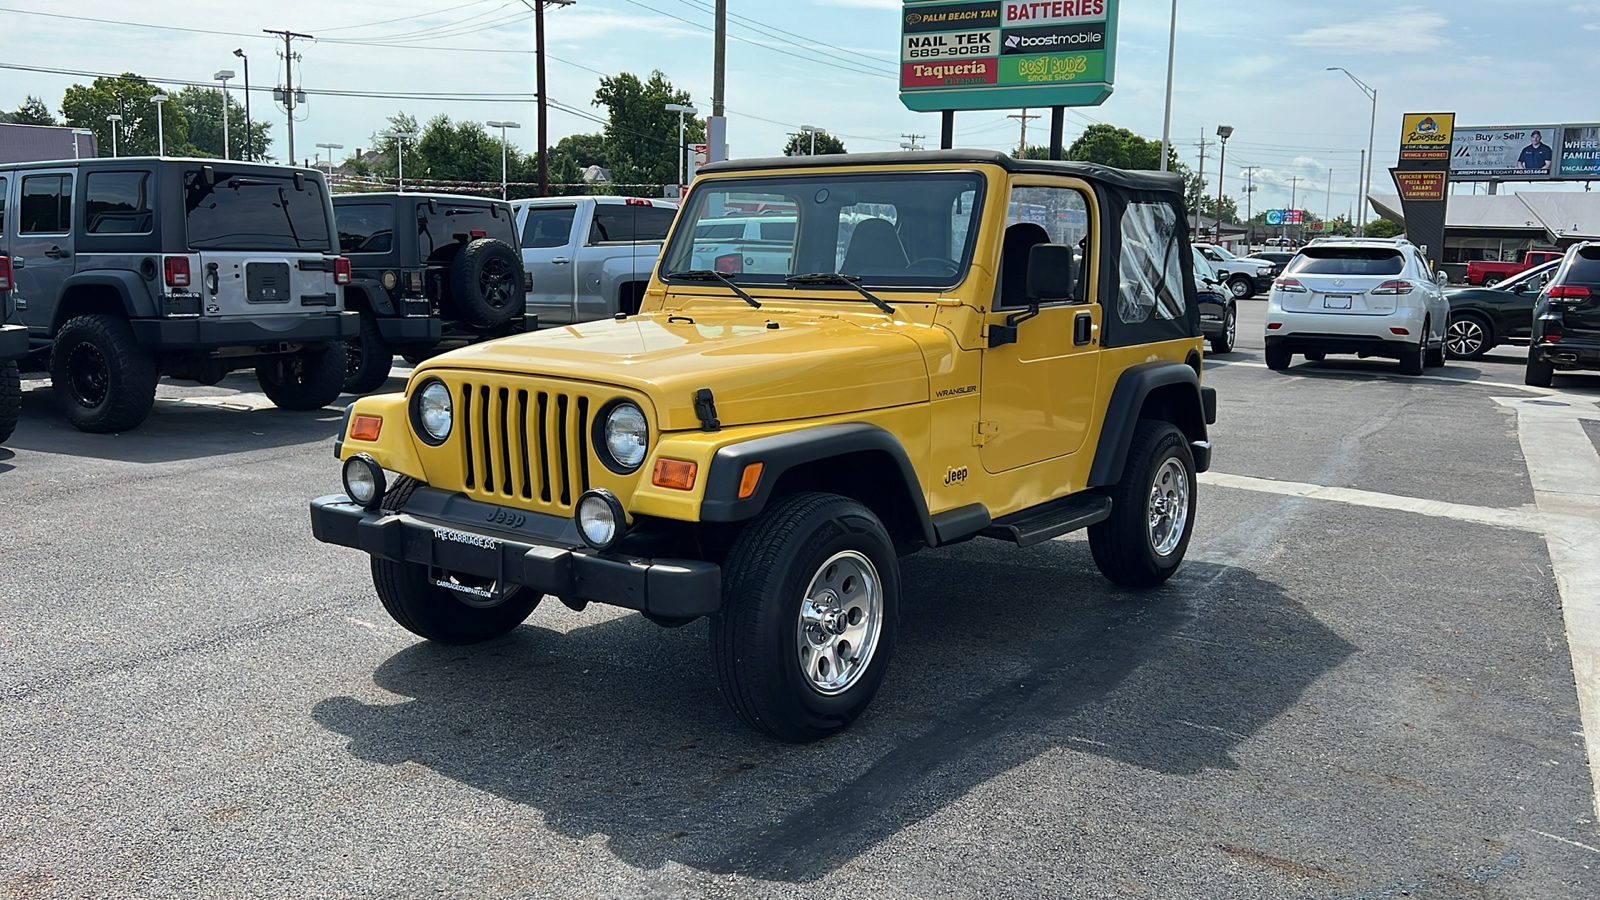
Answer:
[(936, 265)]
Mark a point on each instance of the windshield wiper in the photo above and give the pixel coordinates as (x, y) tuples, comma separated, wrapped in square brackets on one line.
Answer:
[(846, 280), (712, 275)]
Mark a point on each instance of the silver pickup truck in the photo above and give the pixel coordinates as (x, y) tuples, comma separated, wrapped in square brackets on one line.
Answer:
[(590, 257)]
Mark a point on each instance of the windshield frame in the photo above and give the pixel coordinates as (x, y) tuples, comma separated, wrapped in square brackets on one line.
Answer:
[(689, 221)]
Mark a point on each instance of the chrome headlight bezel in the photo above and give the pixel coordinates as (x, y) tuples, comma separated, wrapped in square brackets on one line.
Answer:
[(602, 436), (607, 503), (421, 409), (364, 464)]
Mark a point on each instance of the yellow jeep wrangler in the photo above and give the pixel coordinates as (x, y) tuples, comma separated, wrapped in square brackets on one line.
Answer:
[(912, 350)]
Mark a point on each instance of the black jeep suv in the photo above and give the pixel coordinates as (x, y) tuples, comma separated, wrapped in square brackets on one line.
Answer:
[(429, 270), (1566, 318), (125, 270), (13, 347)]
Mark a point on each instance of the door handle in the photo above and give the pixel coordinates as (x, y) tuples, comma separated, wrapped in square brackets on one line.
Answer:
[(1082, 330), (57, 253), (560, 261)]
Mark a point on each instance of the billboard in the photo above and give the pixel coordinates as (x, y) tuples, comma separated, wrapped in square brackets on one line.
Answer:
[(1505, 153), (1286, 217), (1427, 135), (1580, 152), (1005, 54)]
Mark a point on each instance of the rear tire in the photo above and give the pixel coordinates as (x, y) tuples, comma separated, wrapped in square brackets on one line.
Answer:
[(1152, 510), (10, 399), (369, 358), (436, 613), (1413, 360), (1434, 358), (310, 379), (1278, 357), (1223, 343), (103, 380), (810, 602), (1468, 336), (1539, 372), (1492, 280)]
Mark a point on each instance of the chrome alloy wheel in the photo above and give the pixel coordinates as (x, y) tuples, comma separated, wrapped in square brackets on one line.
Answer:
[(1169, 507), (840, 619), (1465, 338)]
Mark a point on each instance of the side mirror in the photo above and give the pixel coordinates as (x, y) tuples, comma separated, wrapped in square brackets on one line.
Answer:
[(1441, 278), (1052, 272)]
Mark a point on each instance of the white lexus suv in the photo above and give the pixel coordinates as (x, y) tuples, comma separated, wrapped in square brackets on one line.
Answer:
[(1363, 296)]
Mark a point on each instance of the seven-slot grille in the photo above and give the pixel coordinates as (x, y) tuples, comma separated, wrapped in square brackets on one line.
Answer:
[(525, 444)]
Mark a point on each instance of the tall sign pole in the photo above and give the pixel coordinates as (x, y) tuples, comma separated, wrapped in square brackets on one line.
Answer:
[(1422, 176)]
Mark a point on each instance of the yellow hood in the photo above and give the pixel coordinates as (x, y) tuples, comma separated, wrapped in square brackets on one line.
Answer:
[(811, 365)]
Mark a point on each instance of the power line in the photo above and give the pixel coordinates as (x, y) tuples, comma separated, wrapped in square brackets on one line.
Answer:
[(853, 65), (436, 12)]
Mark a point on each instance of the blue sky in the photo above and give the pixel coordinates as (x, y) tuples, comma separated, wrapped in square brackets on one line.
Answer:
[(1258, 66)]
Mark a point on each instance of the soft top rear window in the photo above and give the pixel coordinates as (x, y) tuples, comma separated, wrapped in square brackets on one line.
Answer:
[(443, 227), (1347, 261), (255, 211)]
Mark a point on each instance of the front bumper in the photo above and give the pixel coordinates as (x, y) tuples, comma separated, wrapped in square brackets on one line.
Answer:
[(204, 333), (13, 342), (443, 531)]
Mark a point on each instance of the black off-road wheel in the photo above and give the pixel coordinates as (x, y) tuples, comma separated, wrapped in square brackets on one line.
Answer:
[(486, 283), (310, 379), (419, 605), (103, 380), (368, 359), (10, 399), (810, 605), (1152, 510)]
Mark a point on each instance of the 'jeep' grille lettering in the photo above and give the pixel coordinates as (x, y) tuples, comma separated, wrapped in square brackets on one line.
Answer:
[(524, 444)]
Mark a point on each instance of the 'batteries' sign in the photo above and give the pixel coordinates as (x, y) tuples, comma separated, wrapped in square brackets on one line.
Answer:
[(1004, 54)]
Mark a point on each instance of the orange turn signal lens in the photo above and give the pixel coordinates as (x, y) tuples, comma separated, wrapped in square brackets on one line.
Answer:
[(677, 474), (365, 428), (751, 478)]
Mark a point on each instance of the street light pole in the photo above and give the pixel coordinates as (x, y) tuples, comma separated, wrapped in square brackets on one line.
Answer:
[(116, 122), (1224, 132), (1166, 122), (503, 126), (682, 109), (223, 76), (1372, 92), (811, 130), (77, 133), (161, 136), (247, 135), (400, 138)]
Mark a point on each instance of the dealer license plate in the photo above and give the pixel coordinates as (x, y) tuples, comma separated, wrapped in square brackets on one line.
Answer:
[(1336, 301)]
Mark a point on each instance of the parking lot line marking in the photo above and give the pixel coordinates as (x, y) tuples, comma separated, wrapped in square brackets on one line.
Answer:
[(1555, 837), (1477, 382), (1521, 519)]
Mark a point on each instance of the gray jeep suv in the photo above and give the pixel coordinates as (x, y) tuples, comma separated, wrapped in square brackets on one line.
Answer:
[(129, 269), (13, 347)]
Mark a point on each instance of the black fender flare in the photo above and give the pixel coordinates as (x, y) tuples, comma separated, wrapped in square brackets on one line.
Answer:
[(1127, 401), (780, 453), (376, 298), (131, 289)]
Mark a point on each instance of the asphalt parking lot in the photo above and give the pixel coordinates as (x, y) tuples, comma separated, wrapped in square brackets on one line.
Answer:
[(1361, 685)]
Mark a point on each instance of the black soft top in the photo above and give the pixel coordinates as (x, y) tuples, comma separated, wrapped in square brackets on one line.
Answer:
[(1159, 182)]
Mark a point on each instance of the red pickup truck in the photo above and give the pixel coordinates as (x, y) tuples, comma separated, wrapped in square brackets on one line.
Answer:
[(1489, 274)]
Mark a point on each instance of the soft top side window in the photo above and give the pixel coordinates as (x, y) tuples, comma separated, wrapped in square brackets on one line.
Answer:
[(1150, 277)]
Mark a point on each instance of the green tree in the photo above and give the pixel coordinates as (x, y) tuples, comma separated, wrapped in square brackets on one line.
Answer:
[(127, 95), (33, 111), (1383, 228), (826, 144), (383, 164), (458, 151), (567, 161), (642, 136), (1119, 148), (202, 108)]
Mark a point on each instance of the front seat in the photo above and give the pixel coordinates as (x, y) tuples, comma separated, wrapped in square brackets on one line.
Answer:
[(1020, 239), (874, 247)]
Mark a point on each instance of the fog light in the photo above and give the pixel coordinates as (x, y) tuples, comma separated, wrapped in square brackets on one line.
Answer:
[(600, 519), (364, 481)]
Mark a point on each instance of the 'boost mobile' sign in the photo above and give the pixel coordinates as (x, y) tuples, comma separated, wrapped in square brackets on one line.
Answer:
[(1004, 54)]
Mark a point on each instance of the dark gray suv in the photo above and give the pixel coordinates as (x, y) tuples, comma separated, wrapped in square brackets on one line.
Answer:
[(125, 270), (13, 347)]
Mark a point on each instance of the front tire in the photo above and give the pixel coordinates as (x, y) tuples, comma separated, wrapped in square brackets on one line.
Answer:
[(1490, 281), (810, 604), (310, 379), (104, 381), (1467, 337), (1223, 343), (369, 358), (1241, 288), (10, 399), (436, 613), (1152, 510)]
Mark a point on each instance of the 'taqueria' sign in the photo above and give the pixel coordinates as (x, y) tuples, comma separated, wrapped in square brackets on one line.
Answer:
[(1004, 54)]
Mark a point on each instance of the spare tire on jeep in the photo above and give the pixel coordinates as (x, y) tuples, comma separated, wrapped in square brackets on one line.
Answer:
[(486, 283)]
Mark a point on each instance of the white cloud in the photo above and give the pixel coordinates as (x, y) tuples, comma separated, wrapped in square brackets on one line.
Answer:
[(1407, 29)]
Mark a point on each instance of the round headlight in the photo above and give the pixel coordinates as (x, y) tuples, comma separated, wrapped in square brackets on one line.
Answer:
[(364, 481), (434, 412), (600, 518), (627, 436)]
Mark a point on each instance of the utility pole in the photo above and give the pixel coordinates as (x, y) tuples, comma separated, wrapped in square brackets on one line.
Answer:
[(1329, 202), (542, 128), (1022, 146), (288, 83), (1202, 191), (717, 125), (1250, 202), (913, 138), (1294, 200)]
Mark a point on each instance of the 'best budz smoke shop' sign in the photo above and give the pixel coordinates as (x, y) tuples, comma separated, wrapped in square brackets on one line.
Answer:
[(1004, 54)]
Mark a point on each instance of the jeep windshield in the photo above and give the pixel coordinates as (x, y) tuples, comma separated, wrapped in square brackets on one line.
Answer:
[(255, 211), (895, 230)]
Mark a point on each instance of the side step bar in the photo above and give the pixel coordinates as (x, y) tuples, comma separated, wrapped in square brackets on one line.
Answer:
[(1052, 520)]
